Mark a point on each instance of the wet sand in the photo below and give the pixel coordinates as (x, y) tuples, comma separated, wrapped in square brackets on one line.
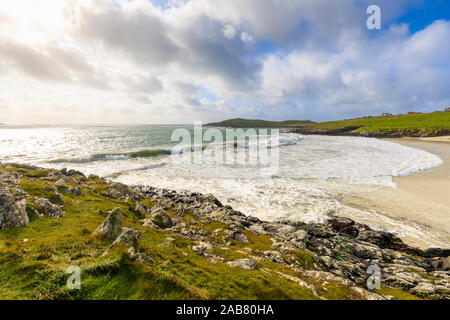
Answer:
[(422, 198)]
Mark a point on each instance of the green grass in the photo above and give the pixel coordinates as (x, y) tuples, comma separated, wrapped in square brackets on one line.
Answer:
[(426, 124), (437, 123), (397, 293), (251, 123), (36, 268)]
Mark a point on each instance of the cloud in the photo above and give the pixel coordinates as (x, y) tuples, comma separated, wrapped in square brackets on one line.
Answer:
[(50, 63), (179, 61)]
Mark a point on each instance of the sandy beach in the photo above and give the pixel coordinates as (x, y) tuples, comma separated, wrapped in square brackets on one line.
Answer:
[(421, 198)]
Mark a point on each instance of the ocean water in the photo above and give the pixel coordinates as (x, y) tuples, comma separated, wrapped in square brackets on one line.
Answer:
[(315, 172)]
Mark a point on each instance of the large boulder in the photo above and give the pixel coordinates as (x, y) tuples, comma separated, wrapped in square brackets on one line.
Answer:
[(121, 191), (111, 228), (203, 249), (162, 219), (76, 191), (246, 264), (49, 209), (13, 214), (141, 209), (129, 238)]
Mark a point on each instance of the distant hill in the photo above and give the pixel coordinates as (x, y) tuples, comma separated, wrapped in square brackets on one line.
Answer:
[(251, 123)]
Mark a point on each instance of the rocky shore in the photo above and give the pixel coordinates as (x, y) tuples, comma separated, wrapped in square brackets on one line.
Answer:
[(358, 131), (328, 260)]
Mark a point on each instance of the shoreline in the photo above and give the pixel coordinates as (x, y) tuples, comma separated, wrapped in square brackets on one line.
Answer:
[(420, 197)]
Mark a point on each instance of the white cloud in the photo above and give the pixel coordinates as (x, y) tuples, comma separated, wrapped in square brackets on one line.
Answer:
[(133, 61)]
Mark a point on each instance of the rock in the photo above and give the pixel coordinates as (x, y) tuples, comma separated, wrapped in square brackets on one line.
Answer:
[(246, 264), (436, 252), (366, 295), (365, 252), (149, 223), (423, 289), (141, 209), (142, 257), (239, 236), (71, 172), (381, 239), (139, 257), (111, 228), (300, 235), (211, 198), (49, 209), (129, 238), (274, 256), (49, 188), (445, 264), (10, 178), (320, 231), (13, 214), (120, 191), (162, 219), (76, 191), (344, 225), (203, 248), (57, 197)]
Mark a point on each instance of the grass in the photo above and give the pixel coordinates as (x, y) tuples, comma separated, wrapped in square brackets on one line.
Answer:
[(34, 259), (437, 123), (251, 123), (426, 124), (399, 294), (36, 268)]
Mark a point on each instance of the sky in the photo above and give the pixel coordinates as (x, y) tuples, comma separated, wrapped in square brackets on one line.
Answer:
[(180, 61)]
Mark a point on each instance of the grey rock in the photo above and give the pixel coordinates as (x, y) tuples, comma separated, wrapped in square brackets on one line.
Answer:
[(13, 214), (423, 289), (121, 191), (239, 236), (203, 248), (111, 227), (246, 264), (162, 219), (49, 209), (129, 238), (142, 257), (141, 209), (139, 257), (366, 252), (76, 191), (300, 235), (274, 256)]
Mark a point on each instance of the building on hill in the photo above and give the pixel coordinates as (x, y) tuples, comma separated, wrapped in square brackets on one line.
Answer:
[(386, 114), (447, 109)]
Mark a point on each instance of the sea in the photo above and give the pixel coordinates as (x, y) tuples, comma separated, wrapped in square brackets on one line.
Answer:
[(312, 176)]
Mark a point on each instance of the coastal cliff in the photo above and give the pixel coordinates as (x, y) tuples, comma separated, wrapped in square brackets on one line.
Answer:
[(142, 242)]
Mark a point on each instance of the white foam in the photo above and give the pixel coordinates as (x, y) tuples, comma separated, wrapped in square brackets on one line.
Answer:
[(314, 173)]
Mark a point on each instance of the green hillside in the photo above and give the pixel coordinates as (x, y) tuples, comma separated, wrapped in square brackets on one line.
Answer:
[(411, 125), (250, 123), (424, 124)]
